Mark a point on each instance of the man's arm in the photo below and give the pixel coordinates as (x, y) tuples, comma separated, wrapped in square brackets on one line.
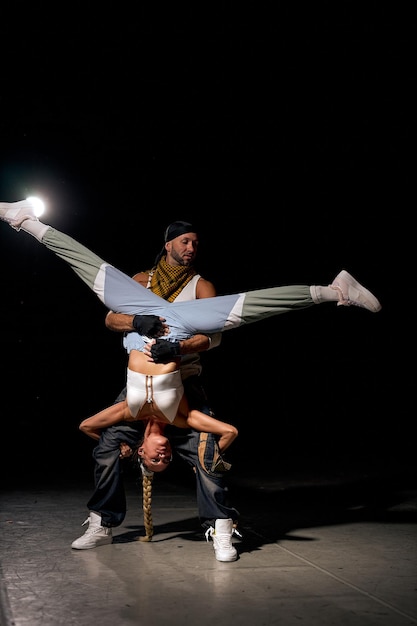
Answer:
[(119, 322), (148, 325), (123, 323)]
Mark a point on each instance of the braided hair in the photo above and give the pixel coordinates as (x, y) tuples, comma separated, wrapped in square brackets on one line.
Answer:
[(147, 478)]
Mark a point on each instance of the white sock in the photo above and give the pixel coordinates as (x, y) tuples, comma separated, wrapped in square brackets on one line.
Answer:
[(35, 228), (320, 294)]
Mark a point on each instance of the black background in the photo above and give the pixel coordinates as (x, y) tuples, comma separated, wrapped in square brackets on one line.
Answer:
[(285, 133)]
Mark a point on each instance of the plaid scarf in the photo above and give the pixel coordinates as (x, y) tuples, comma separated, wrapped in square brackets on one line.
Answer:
[(167, 281)]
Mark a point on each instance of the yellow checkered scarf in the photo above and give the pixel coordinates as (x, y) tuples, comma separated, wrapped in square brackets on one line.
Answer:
[(167, 281)]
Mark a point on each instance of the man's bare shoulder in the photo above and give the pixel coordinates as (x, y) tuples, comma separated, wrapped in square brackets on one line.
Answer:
[(205, 289), (142, 278)]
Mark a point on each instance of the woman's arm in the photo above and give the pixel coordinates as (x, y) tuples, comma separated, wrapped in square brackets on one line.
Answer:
[(206, 424), (92, 426)]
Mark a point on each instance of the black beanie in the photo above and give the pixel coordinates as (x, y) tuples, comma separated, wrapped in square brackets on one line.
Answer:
[(176, 229)]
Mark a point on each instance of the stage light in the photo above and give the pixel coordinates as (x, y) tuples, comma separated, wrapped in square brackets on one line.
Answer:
[(38, 204)]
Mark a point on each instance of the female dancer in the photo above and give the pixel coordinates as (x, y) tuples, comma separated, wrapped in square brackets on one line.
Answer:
[(154, 390)]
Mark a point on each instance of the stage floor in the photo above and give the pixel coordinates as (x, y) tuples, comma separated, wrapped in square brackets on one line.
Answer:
[(317, 550)]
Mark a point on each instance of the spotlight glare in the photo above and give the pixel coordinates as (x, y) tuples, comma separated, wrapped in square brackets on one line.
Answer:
[(38, 205)]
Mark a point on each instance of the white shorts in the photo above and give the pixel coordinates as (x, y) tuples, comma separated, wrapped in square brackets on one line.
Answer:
[(165, 390)]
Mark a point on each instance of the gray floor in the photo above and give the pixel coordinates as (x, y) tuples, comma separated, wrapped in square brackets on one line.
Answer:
[(332, 549)]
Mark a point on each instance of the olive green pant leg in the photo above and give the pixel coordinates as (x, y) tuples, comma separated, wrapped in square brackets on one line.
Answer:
[(264, 303), (87, 265)]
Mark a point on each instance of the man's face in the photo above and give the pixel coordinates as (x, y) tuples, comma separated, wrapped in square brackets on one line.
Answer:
[(182, 250)]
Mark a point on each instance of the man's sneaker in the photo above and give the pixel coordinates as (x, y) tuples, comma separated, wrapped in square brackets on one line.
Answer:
[(15, 213), (222, 539), (95, 535), (350, 292)]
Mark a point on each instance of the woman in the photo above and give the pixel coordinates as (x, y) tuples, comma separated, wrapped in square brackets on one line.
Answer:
[(154, 390), (155, 450)]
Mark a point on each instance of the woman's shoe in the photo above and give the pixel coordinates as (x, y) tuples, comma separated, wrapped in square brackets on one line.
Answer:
[(351, 292), (15, 213)]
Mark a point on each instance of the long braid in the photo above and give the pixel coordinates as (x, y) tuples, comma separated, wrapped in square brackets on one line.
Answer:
[(147, 479)]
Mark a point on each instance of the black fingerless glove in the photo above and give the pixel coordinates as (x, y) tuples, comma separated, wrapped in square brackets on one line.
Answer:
[(164, 351), (149, 325)]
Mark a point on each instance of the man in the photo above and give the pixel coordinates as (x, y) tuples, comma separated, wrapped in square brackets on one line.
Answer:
[(172, 277)]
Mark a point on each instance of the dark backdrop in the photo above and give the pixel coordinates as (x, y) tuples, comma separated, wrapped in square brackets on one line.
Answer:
[(283, 132)]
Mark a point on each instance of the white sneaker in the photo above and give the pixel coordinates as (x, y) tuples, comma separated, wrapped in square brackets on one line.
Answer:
[(222, 539), (15, 213), (95, 535), (350, 292)]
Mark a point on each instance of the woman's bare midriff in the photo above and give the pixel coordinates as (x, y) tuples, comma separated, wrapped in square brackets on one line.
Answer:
[(138, 362)]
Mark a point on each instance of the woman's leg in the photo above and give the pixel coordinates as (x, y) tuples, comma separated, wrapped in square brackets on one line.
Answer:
[(211, 315), (115, 289), (264, 303), (122, 294)]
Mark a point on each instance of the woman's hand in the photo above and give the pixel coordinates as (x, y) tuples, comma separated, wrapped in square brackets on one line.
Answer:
[(125, 451), (147, 350)]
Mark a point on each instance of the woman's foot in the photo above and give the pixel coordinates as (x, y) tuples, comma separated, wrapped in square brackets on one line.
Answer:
[(15, 213), (350, 292)]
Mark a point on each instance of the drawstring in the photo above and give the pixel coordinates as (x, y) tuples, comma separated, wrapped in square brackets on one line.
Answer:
[(149, 389)]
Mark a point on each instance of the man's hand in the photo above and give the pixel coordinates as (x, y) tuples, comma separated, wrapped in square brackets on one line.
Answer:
[(163, 351), (150, 325)]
